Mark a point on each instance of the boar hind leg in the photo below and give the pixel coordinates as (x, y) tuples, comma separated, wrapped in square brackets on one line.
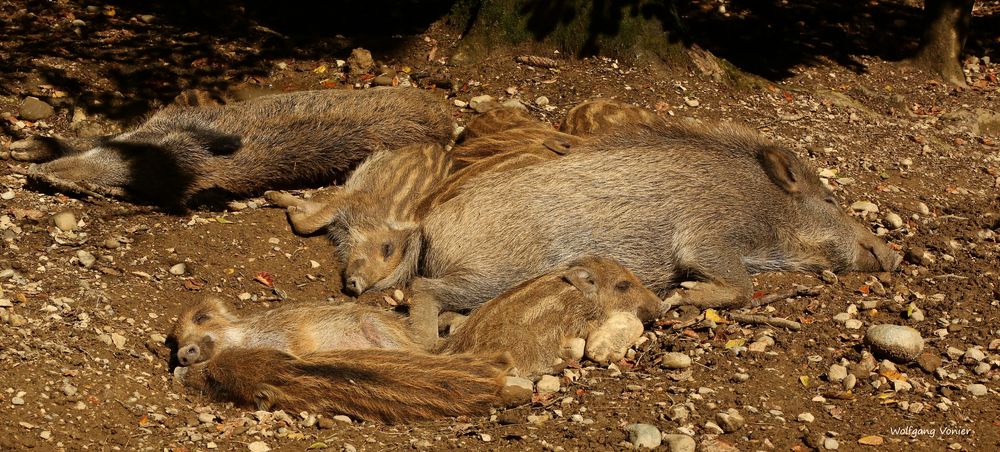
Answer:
[(428, 295), (725, 284), (306, 217), (44, 149)]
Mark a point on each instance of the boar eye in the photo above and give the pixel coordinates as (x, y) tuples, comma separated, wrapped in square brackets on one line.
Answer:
[(200, 318), (387, 249), (622, 286)]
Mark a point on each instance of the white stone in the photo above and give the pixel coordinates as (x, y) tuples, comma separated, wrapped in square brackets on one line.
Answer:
[(609, 342)]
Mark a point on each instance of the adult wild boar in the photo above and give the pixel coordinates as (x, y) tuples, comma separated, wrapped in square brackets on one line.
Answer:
[(183, 155), (670, 202)]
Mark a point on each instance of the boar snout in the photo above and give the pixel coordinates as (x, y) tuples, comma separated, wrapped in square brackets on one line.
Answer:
[(873, 255), (188, 355), (355, 285)]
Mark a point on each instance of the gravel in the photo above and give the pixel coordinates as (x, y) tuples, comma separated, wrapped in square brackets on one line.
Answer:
[(675, 360), (679, 443)]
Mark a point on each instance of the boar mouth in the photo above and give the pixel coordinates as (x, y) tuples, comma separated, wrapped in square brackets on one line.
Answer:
[(877, 257)]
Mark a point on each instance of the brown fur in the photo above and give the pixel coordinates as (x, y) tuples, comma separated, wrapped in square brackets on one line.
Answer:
[(207, 328), (185, 155), (601, 116), (371, 217), (536, 140), (534, 320), (375, 385), (672, 203), (498, 120)]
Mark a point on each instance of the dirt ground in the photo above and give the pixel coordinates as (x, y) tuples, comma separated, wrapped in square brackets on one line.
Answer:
[(82, 360)]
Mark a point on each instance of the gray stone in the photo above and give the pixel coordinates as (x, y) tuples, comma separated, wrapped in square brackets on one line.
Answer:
[(33, 109), (675, 360), (65, 221), (86, 259), (730, 421), (837, 373), (977, 389), (547, 384), (679, 443), (360, 62), (897, 342), (178, 269), (643, 435)]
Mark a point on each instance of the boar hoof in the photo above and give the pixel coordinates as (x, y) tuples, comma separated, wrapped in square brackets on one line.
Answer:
[(35, 150)]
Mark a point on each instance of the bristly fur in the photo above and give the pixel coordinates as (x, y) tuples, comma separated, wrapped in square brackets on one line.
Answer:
[(278, 141), (602, 116), (387, 386)]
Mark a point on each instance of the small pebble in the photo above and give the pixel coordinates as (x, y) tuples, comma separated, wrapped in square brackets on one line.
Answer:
[(675, 360), (206, 418), (65, 221), (893, 220), (853, 324), (86, 258), (864, 206), (806, 417), (258, 446), (730, 421), (831, 444), (7, 195), (900, 343), (178, 269), (973, 355), (977, 389), (547, 384), (542, 101), (849, 382), (837, 373), (679, 443), (643, 436)]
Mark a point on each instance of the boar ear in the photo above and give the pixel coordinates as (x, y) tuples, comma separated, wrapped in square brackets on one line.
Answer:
[(780, 166), (582, 279), (558, 145)]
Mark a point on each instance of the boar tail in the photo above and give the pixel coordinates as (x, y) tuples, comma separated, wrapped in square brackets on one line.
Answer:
[(379, 385)]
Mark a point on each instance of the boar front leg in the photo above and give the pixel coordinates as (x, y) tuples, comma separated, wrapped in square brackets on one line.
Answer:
[(306, 217), (430, 296), (725, 284)]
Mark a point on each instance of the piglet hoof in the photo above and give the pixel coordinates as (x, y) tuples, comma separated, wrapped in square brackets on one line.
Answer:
[(610, 341), (281, 199)]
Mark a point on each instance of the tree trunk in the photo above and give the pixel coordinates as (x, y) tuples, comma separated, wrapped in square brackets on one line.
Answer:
[(947, 26)]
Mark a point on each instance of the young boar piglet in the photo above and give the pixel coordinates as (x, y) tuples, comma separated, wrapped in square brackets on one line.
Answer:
[(374, 251), (601, 116), (205, 329), (498, 120), (539, 321), (377, 385), (670, 202)]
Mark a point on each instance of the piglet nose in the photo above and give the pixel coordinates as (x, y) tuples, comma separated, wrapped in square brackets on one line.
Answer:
[(188, 355), (355, 285)]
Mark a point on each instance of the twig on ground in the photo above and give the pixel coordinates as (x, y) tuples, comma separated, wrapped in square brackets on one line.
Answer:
[(765, 320)]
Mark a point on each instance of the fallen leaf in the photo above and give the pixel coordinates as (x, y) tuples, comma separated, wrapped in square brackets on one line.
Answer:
[(317, 445), (892, 375), (144, 421), (735, 343), (712, 315), (865, 289), (264, 278), (194, 283), (223, 220), (804, 380), (871, 440), (320, 69)]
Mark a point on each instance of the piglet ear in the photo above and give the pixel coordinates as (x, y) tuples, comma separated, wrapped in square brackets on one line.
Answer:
[(582, 279), (779, 164)]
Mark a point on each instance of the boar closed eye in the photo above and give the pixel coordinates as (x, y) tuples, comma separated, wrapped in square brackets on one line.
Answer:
[(623, 286), (200, 318), (387, 249)]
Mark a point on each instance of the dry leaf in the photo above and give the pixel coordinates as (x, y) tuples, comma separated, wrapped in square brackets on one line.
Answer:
[(735, 343), (804, 380), (871, 440), (712, 315), (320, 69), (264, 278)]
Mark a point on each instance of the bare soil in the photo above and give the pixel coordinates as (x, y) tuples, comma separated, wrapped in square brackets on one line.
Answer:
[(82, 360)]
